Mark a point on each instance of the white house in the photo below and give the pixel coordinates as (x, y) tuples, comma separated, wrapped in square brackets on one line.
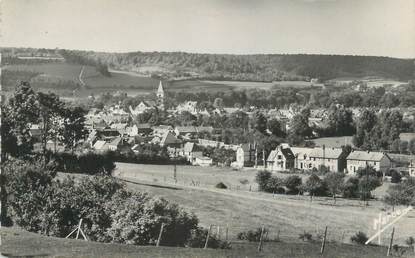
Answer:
[(411, 168), (202, 161), (281, 159), (142, 107), (302, 158), (332, 158), (360, 159), (189, 106)]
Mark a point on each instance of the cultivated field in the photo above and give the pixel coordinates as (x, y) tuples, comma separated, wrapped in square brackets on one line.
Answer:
[(333, 142), (240, 209)]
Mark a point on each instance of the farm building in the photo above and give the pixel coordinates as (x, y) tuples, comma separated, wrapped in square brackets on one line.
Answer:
[(302, 157), (190, 151), (281, 159), (202, 161), (360, 159), (170, 140), (333, 159)]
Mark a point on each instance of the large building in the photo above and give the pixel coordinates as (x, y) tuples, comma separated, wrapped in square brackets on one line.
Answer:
[(160, 96), (360, 159)]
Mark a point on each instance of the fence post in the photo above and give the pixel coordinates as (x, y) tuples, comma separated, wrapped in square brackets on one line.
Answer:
[(227, 230), (261, 239), (278, 235), (323, 244), (391, 242), (160, 234), (218, 232), (207, 236)]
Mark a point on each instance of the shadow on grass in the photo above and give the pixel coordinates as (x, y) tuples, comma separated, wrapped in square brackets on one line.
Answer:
[(152, 185)]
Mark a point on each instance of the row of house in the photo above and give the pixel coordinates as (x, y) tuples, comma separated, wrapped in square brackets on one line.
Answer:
[(285, 157)]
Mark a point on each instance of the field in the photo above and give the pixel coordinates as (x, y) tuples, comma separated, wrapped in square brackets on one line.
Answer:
[(19, 243), (240, 209), (333, 142)]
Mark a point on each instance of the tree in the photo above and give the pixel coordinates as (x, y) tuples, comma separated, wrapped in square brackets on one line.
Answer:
[(22, 113), (262, 178), (293, 183), (218, 103), (73, 130), (275, 127), (314, 186), (238, 119), (365, 124), (299, 128), (50, 108), (8, 137), (259, 122), (334, 182), (401, 194), (350, 188), (340, 121)]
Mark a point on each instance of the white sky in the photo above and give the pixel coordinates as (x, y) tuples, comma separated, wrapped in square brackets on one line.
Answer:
[(360, 27)]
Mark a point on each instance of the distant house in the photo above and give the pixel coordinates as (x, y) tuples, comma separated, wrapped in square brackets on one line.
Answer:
[(116, 144), (360, 159), (407, 136), (245, 155), (302, 158), (411, 168), (120, 127), (162, 129), (170, 140), (36, 131), (188, 106), (190, 151), (139, 129), (202, 161), (281, 159), (100, 146), (142, 107), (334, 159), (185, 131)]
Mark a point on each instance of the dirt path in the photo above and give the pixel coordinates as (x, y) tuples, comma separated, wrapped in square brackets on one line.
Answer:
[(80, 76)]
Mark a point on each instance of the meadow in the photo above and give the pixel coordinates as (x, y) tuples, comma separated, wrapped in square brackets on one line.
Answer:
[(240, 209)]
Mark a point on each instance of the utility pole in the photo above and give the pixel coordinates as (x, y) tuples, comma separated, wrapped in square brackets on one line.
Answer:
[(391, 242)]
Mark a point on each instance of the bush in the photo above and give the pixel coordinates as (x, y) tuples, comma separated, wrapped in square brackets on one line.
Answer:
[(87, 163), (350, 188), (306, 236), (262, 178), (252, 236), (275, 185), (359, 238), (221, 185), (396, 176), (198, 239), (293, 184), (410, 241)]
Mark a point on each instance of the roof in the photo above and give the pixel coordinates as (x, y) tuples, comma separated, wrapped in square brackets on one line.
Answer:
[(160, 89), (99, 145), (143, 126), (117, 141), (288, 154), (366, 155), (301, 151), (169, 138), (327, 153), (204, 129), (189, 147), (186, 129)]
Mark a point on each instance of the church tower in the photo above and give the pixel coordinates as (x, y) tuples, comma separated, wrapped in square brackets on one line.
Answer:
[(160, 96)]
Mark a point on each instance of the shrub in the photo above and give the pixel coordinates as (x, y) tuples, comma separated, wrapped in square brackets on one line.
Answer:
[(87, 163), (396, 176), (244, 181), (262, 178), (275, 185), (221, 185), (252, 236), (306, 236), (350, 188), (198, 240), (293, 184), (359, 238), (410, 241)]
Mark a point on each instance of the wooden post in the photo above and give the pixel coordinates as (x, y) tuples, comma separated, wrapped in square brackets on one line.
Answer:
[(160, 234), (79, 228), (218, 232), (207, 237), (391, 242), (323, 244), (278, 235), (261, 239), (227, 230), (379, 228)]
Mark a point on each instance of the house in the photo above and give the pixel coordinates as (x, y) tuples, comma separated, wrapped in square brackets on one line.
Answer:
[(360, 159), (281, 159), (190, 151), (100, 146), (188, 106), (35, 131), (334, 159), (162, 129), (245, 156), (168, 139), (302, 158), (139, 129), (407, 136), (116, 145), (411, 168), (185, 131), (142, 107), (202, 161), (120, 127)]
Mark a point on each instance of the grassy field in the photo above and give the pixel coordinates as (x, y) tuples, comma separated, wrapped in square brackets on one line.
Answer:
[(240, 209), (19, 243), (333, 142)]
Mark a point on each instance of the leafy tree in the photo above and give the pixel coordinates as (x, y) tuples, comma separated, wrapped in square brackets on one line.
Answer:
[(275, 126), (275, 185), (340, 121), (365, 124), (238, 119), (262, 178), (334, 182), (73, 129), (350, 188), (314, 186), (293, 183), (259, 122), (401, 194), (299, 128), (218, 103)]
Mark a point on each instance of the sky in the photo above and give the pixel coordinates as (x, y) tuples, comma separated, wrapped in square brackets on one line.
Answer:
[(352, 27)]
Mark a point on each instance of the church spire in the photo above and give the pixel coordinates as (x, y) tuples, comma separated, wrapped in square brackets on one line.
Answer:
[(160, 91)]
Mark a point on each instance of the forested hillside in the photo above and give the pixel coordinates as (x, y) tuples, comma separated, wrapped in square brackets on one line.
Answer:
[(180, 65)]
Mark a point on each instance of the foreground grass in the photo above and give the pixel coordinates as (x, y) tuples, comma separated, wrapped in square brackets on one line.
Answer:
[(19, 243)]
